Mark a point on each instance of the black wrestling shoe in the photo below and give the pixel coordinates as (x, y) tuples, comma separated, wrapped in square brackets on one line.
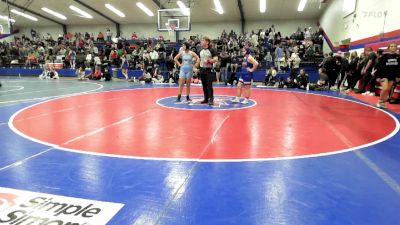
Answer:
[(178, 99)]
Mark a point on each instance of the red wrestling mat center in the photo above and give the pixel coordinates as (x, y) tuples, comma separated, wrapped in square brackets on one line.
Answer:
[(130, 123)]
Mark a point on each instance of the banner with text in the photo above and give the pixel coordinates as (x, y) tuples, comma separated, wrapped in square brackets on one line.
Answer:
[(33, 208)]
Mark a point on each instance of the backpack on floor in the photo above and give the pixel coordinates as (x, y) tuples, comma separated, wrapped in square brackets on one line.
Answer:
[(395, 97)]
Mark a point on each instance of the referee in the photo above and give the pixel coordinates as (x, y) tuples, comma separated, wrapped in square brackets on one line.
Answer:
[(208, 56)]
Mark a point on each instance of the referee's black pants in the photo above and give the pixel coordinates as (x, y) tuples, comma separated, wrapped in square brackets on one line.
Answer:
[(207, 78)]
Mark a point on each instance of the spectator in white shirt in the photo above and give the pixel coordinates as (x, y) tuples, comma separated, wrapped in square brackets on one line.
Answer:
[(108, 34), (295, 64), (95, 50), (80, 73), (158, 79), (307, 34), (97, 60), (254, 40), (154, 55), (88, 60)]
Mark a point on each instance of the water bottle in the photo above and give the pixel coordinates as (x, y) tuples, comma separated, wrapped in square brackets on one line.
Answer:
[(308, 87)]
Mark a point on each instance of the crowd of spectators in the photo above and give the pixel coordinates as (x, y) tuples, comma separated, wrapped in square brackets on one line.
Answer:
[(155, 55), (359, 72)]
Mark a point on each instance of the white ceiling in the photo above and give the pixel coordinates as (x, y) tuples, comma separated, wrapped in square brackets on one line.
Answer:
[(202, 11)]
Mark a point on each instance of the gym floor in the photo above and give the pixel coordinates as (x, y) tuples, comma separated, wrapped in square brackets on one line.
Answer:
[(287, 157)]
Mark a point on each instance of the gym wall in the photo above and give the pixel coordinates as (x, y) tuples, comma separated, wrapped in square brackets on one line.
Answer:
[(366, 22)]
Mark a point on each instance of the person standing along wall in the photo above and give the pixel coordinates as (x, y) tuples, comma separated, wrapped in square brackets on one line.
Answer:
[(390, 64)]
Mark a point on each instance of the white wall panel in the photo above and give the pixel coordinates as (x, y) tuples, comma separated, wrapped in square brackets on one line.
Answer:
[(367, 21)]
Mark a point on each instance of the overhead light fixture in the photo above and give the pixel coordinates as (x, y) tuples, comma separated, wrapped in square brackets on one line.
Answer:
[(24, 15), (81, 12), (218, 6), (145, 9), (185, 11), (7, 19), (56, 14), (302, 4), (263, 6), (349, 5), (115, 10)]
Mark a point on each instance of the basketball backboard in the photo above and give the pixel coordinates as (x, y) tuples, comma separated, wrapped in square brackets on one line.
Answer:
[(4, 25), (168, 18)]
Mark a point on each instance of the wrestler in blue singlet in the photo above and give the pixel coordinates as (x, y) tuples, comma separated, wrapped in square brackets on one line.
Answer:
[(187, 66)]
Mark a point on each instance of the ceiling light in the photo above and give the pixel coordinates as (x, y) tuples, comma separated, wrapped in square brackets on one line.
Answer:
[(145, 9), (218, 6), (114, 10), (302, 4), (81, 12), (185, 11), (263, 6), (56, 14), (349, 5), (24, 15), (6, 18)]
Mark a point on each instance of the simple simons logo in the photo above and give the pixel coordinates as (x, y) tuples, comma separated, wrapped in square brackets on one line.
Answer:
[(221, 102), (7, 200), (31, 208)]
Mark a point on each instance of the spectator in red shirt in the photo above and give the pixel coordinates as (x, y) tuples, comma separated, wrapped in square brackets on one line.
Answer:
[(96, 75)]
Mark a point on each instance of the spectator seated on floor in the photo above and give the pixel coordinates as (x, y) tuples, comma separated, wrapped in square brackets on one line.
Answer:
[(96, 75), (49, 74), (146, 77), (106, 73), (302, 79), (323, 81), (290, 82), (53, 73), (233, 79), (80, 73), (158, 78), (172, 77), (44, 73)]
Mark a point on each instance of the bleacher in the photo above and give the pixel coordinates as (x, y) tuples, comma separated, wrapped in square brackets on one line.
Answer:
[(15, 67)]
